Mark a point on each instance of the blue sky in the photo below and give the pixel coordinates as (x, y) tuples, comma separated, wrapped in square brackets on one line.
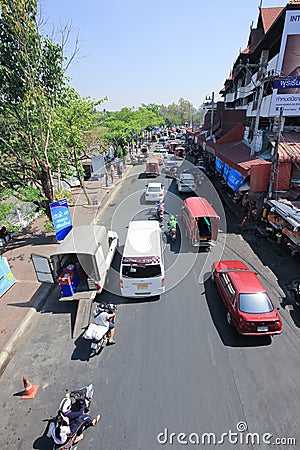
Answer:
[(139, 51)]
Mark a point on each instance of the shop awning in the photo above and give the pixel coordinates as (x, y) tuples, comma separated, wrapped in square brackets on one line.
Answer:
[(237, 156)]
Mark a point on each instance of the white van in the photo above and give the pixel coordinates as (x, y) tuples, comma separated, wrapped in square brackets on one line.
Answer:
[(142, 271)]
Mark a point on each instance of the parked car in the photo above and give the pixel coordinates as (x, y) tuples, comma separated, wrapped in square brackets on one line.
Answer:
[(249, 307), (186, 182), (155, 192)]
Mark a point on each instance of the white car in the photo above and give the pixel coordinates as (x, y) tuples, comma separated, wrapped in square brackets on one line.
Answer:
[(186, 183), (155, 192)]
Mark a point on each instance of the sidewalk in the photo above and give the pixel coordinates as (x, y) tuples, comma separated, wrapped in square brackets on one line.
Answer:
[(19, 306)]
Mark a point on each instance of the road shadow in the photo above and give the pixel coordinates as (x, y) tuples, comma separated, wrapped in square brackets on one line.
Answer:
[(228, 335), (82, 349), (44, 442)]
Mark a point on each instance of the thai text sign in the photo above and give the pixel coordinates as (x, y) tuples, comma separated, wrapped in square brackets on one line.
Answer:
[(61, 218), (286, 93)]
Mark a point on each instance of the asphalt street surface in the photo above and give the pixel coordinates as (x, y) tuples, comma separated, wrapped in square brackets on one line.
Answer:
[(176, 367)]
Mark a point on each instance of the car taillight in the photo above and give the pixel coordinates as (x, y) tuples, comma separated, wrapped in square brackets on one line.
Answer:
[(277, 325), (160, 195), (98, 286), (247, 326), (121, 284), (162, 282)]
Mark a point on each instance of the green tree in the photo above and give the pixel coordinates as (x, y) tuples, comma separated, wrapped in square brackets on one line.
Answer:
[(74, 131), (32, 85)]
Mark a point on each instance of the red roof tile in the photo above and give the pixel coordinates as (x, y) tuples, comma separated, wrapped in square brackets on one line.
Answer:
[(269, 15)]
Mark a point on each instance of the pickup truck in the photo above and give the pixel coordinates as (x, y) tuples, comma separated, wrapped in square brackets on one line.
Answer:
[(80, 265)]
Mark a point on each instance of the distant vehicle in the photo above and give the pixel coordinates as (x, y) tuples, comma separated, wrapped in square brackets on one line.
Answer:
[(152, 167), (158, 147), (186, 182), (170, 167), (249, 307), (155, 192)]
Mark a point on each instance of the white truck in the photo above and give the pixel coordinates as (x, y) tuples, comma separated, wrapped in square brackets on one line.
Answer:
[(87, 252)]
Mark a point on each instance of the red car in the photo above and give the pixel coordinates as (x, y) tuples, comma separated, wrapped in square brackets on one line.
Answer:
[(249, 308)]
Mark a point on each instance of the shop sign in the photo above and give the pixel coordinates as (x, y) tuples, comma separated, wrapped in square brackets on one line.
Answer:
[(219, 165), (226, 171), (235, 180), (286, 93), (61, 218)]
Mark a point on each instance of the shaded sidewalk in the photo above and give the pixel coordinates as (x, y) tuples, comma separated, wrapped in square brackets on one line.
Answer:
[(19, 306)]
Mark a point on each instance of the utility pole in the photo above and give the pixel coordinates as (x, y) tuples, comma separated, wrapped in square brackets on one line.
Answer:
[(275, 157), (263, 63), (212, 99)]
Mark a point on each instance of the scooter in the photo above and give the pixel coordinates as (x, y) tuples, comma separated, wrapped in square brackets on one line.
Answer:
[(99, 334), (173, 234), (160, 214), (78, 398)]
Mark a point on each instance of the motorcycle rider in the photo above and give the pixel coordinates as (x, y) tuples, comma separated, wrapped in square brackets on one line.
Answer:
[(103, 319), (77, 418), (172, 223), (160, 209)]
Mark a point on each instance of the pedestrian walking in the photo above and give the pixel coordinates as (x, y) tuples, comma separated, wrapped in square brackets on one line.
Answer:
[(112, 170), (120, 170)]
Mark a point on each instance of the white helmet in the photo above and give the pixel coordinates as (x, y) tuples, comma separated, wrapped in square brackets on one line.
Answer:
[(65, 405)]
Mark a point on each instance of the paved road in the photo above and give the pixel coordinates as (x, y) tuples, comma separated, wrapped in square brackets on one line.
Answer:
[(176, 365)]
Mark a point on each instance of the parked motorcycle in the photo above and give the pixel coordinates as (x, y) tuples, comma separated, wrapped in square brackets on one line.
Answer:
[(99, 334)]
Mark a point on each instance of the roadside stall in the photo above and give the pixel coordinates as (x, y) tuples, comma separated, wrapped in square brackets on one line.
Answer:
[(282, 219)]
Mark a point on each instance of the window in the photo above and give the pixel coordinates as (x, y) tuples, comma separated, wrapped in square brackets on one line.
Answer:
[(258, 303), (146, 271), (228, 286)]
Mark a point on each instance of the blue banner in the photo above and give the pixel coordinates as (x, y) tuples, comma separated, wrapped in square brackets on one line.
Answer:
[(61, 218), (219, 165), (235, 180), (287, 83), (226, 171), (6, 277)]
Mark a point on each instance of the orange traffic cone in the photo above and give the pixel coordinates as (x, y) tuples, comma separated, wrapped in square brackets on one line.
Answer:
[(30, 390)]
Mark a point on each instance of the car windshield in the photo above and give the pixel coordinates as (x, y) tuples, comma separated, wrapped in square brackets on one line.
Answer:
[(255, 303), (187, 180), (154, 189)]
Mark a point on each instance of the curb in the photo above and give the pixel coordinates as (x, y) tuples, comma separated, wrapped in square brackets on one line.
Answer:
[(8, 351)]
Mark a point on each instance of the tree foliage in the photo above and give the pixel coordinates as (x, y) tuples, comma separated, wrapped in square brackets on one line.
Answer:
[(32, 85)]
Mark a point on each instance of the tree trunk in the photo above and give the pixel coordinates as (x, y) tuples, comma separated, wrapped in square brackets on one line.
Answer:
[(82, 185)]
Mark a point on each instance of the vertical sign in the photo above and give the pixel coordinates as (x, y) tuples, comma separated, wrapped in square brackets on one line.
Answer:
[(61, 218), (288, 65)]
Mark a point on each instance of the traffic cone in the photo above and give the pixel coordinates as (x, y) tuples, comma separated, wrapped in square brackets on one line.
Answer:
[(29, 389)]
